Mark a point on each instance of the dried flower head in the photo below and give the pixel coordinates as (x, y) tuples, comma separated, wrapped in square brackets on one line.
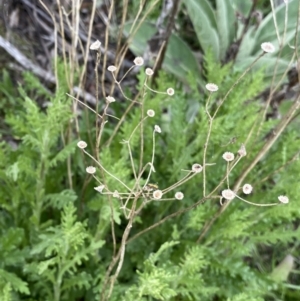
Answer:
[(283, 199), (247, 188), (149, 71), (110, 99), (96, 45), (150, 113), (157, 194), (116, 194), (228, 194), (242, 151), (82, 144), (196, 168), (179, 195), (99, 188), (138, 61), (112, 68), (157, 129), (228, 156), (91, 170), (267, 47), (212, 87), (170, 91)]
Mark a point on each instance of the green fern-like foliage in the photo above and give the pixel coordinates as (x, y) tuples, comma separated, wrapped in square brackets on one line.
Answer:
[(56, 238)]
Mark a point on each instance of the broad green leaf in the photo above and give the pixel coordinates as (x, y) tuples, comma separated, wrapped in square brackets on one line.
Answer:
[(242, 6), (226, 28), (266, 63), (205, 25), (282, 271), (247, 44), (266, 31), (179, 59)]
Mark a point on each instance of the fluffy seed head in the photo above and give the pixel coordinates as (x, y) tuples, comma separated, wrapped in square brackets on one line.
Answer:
[(91, 170), (149, 71), (197, 168), (228, 156), (150, 113), (179, 195), (242, 151), (110, 99), (82, 144), (228, 194), (157, 194), (212, 87), (267, 47), (112, 68), (116, 194), (157, 129), (170, 91), (283, 199), (96, 45), (247, 188), (138, 61), (99, 188)]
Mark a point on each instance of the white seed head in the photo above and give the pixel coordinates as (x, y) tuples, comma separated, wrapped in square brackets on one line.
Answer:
[(179, 195), (197, 168), (170, 91), (112, 68), (157, 129), (228, 194), (157, 194), (82, 144), (91, 170), (116, 194), (149, 71), (110, 99), (212, 87), (267, 47), (99, 188), (96, 45), (283, 199), (138, 61), (247, 188), (228, 156), (242, 151), (150, 113)]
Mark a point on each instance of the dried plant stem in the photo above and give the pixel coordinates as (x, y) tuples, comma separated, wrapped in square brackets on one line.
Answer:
[(111, 8), (106, 171), (123, 246), (210, 122), (293, 159), (237, 81), (180, 182), (269, 143)]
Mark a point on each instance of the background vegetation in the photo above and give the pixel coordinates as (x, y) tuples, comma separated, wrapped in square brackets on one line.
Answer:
[(62, 239)]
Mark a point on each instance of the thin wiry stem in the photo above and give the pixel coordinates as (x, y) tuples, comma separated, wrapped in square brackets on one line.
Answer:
[(210, 122)]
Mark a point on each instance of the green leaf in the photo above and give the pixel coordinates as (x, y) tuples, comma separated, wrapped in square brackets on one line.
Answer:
[(266, 31), (282, 271), (64, 154), (266, 63), (226, 28), (242, 6), (204, 22), (179, 59), (16, 283)]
